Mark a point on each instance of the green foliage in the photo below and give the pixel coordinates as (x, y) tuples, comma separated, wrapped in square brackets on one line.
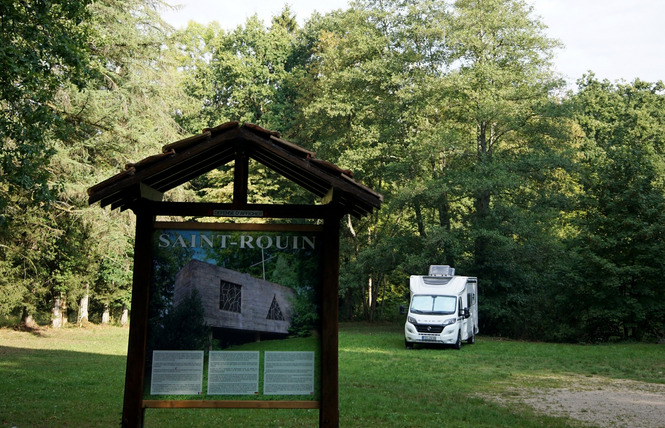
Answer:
[(240, 75), (450, 109), (618, 250), (445, 109), (95, 88), (248, 75), (42, 47)]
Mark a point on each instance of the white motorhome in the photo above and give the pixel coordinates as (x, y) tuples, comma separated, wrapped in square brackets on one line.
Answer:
[(443, 308)]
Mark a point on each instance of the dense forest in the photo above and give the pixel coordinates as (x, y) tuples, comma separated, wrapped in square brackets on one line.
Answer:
[(553, 198)]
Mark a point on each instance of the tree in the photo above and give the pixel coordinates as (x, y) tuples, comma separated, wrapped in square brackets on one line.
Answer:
[(305, 305), (615, 289), (433, 104), (245, 75), (509, 142), (501, 80), (238, 75), (42, 48), (95, 97), (350, 104), (126, 112)]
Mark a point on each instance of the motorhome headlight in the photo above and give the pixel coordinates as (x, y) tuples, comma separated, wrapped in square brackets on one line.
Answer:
[(448, 322), (412, 320)]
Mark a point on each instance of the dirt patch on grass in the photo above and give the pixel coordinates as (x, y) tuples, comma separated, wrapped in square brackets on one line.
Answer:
[(597, 401)]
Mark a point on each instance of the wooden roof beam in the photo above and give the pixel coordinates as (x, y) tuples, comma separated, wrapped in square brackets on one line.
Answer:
[(240, 179)]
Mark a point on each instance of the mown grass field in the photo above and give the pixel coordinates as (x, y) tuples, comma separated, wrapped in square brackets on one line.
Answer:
[(74, 378)]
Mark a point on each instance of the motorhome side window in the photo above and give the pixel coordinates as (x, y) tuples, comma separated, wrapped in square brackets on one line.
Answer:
[(439, 305), (230, 296)]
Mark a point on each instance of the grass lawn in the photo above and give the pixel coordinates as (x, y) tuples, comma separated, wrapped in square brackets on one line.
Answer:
[(74, 378)]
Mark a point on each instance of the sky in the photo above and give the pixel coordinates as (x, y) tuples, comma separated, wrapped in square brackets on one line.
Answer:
[(619, 40)]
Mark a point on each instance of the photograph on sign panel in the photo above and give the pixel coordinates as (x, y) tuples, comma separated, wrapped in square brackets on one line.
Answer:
[(234, 313)]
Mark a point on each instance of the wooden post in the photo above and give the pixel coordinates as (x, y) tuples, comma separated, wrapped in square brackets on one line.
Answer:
[(132, 412), (329, 411), (240, 179)]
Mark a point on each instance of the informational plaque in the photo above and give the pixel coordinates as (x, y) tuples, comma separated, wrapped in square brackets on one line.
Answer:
[(233, 373), (288, 373), (223, 293), (176, 373)]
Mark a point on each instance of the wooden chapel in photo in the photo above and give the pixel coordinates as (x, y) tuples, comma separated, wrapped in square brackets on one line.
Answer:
[(140, 188)]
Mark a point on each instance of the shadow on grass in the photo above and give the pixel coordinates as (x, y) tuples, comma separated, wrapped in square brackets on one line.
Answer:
[(37, 331), (45, 388)]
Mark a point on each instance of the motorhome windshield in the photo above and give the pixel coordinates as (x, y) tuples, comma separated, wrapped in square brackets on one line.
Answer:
[(433, 305)]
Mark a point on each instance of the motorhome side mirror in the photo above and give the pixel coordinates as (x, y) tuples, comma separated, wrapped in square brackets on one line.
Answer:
[(402, 310), (467, 314)]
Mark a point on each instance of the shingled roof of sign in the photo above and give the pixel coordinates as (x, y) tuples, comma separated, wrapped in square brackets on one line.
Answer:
[(187, 159)]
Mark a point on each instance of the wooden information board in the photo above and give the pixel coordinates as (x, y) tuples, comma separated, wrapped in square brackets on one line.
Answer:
[(247, 278), (189, 377)]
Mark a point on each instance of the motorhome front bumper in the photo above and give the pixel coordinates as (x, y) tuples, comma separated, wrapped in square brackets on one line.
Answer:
[(430, 333)]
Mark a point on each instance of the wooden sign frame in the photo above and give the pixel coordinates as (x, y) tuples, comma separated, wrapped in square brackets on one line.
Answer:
[(141, 186), (134, 405)]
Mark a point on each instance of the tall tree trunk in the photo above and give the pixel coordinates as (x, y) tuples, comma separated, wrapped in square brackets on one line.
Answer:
[(370, 298), (63, 311), (27, 320), (444, 212), (419, 219), (375, 284), (83, 306), (347, 304), (106, 315), (124, 318), (364, 293), (356, 251), (56, 312), (382, 293), (483, 196), (482, 212)]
